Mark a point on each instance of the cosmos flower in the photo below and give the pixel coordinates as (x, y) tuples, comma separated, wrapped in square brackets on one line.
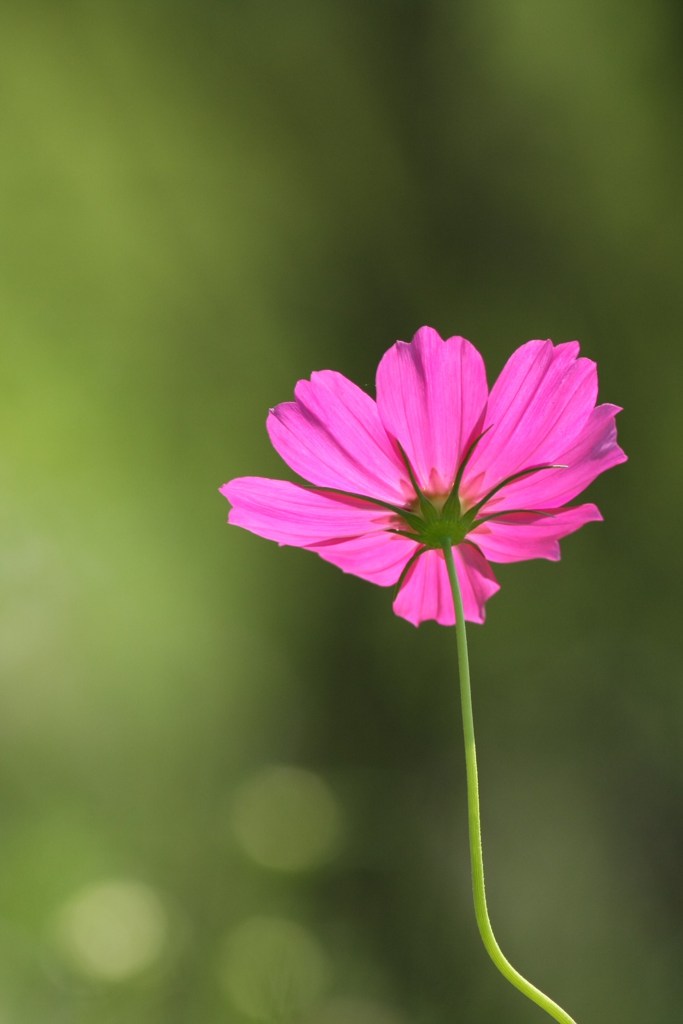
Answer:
[(436, 459)]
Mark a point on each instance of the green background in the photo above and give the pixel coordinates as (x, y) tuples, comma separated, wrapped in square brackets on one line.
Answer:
[(231, 781)]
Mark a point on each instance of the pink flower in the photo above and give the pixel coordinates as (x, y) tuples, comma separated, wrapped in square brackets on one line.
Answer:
[(436, 457)]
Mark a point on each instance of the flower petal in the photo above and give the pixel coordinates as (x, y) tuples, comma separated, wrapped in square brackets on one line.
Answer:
[(291, 514), (591, 453), (431, 396), (377, 557), (332, 435), (524, 535), (426, 592), (537, 408), (477, 581)]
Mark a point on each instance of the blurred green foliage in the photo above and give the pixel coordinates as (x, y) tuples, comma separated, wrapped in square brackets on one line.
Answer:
[(231, 782)]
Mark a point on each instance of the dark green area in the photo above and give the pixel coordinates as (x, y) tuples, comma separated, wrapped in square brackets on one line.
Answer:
[(201, 204)]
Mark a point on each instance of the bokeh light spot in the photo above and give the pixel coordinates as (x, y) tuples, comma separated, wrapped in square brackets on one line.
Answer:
[(287, 819), (113, 930), (273, 969)]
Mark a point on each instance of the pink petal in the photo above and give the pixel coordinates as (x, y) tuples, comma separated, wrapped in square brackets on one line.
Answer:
[(377, 557), (291, 514), (477, 581), (537, 408), (332, 435), (591, 453), (426, 593), (431, 395), (524, 535)]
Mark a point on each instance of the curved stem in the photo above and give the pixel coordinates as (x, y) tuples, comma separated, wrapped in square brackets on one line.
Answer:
[(474, 818)]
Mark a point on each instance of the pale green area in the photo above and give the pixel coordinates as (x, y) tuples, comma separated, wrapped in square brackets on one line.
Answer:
[(200, 204)]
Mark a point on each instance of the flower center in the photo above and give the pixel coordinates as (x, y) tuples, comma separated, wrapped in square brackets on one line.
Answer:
[(446, 528), (438, 519)]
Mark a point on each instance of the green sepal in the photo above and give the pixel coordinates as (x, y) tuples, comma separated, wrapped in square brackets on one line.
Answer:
[(404, 533), (511, 479), (410, 517), (513, 512)]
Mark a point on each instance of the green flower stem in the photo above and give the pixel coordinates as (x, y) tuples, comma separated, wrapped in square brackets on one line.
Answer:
[(474, 818)]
